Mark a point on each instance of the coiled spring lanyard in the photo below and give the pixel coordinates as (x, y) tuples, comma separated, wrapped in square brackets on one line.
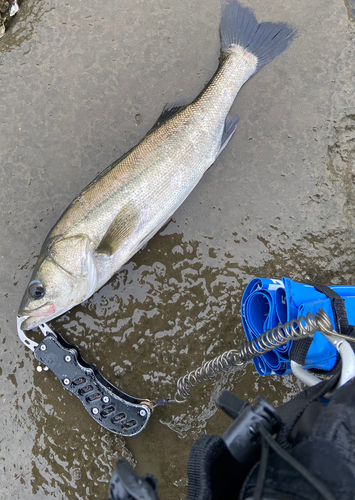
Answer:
[(126, 415)]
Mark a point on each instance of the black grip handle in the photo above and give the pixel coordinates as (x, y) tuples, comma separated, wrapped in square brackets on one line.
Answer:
[(111, 408)]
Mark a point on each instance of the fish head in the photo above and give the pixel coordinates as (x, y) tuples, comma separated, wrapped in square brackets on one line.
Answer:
[(64, 276)]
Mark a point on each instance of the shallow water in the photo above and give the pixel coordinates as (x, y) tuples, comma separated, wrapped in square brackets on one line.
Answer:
[(79, 87)]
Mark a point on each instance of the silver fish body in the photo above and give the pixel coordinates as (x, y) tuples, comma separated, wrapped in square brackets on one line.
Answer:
[(146, 187), (128, 203)]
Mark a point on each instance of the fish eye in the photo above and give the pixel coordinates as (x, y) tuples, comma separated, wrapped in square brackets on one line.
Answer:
[(36, 289)]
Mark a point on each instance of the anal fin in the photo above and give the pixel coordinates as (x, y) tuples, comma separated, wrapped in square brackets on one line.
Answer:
[(229, 128)]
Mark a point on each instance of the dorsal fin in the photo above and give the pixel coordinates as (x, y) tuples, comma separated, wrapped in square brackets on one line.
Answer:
[(169, 111)]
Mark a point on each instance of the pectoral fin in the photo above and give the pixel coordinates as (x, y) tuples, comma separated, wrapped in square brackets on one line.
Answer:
[(120, 229)]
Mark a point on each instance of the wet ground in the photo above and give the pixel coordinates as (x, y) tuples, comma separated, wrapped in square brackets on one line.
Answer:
[(79, 87)]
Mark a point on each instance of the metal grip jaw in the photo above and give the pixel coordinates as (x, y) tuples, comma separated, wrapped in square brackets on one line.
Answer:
[(110, 407)]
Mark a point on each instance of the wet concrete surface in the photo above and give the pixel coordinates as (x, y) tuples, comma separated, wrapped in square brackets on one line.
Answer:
[(80, 85)]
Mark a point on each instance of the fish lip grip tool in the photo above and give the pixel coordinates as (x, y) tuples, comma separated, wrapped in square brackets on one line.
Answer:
[(110, 407)]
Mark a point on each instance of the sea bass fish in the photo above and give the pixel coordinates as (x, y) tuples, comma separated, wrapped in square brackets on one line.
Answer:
[(115, 215)]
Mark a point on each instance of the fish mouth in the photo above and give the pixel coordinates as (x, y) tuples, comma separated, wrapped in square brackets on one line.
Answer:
[(35, 317), (42, 311)]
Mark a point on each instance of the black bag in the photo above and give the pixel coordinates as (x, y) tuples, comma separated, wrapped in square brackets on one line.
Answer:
[(310, 457)]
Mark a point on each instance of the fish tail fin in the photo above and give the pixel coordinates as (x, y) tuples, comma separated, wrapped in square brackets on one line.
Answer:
[(239, 28)]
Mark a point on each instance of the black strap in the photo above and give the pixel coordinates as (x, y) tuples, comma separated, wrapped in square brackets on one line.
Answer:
[(259, 487), (299, 349), (338, 306)]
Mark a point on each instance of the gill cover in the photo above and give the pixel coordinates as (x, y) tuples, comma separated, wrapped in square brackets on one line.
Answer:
[(74, 256), (66, 271)]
